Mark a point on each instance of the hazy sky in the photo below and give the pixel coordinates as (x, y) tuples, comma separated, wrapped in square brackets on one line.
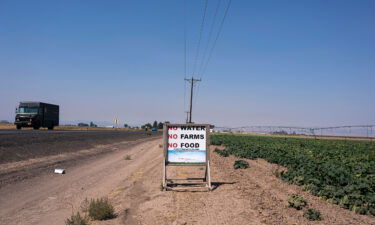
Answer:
[(302, 63)]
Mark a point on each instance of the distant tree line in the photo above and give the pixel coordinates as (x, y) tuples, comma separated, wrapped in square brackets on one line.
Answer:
[(283, 132), (155, 124), (87, 125), (130, 127)]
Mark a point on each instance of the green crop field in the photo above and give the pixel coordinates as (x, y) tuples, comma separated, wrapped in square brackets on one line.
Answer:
[(339, 171)]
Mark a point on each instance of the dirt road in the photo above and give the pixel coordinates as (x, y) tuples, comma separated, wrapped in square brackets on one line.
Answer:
[(251, 196), (50, 198)]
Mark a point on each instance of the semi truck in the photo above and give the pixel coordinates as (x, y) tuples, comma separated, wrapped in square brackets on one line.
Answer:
[(37, 115)]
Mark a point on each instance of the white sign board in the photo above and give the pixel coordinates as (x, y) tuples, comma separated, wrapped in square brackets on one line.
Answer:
[(186, 144)]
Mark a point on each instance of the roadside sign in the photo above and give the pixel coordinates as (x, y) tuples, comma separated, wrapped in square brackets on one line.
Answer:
[(186, 145)]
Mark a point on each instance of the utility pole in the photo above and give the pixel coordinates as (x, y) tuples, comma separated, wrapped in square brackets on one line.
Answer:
[(192, 82), (187, 116)]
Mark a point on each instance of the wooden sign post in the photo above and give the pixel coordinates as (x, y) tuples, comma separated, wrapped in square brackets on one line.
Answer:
[(186, 145)]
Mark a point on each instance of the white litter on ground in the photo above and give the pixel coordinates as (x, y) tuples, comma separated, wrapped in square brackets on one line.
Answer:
[(60, 171)]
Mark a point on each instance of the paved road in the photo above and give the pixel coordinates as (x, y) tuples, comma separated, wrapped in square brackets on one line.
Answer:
[(28, 131)]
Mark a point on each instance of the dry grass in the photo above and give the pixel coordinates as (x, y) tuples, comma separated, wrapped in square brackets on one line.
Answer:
[(101, 209), (77, 219), (4, 126)]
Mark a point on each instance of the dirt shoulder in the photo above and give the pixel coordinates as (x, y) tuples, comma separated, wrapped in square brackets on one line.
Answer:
[(50, 198)]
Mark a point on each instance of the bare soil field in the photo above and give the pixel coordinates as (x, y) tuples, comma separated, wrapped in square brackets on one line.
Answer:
[(28, 144), (250, 196), (26, 154)]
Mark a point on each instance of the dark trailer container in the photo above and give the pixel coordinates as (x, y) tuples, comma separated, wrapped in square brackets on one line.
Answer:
[(37, 115)]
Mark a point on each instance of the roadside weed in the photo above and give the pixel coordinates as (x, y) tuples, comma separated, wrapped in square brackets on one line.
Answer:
[(240, 164), (76, 219), (101, 209), (297, 202), (312, 214)]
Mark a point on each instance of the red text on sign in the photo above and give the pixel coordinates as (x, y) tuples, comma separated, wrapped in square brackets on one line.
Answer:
[(172, 145), (172, 136)]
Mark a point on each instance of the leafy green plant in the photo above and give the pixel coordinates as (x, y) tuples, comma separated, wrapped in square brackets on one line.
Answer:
[(339, 171), (359, 209), (312, 214), (297, 202), (101, 209), (223, 153), (76, 219), (241, 164)]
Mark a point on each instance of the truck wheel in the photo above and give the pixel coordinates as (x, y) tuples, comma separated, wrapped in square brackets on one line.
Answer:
[(50, 128), (19, 127), (36, 128)]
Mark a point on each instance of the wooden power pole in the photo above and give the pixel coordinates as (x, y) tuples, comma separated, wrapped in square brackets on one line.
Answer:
[(192, 81)]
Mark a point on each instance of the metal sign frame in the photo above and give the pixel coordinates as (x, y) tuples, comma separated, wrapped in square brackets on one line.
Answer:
[(206, 181)]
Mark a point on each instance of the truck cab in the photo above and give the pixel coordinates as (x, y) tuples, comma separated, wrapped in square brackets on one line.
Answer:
[(37, 115)]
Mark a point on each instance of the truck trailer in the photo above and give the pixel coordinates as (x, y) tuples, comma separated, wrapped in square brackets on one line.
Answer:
[(37, 115)]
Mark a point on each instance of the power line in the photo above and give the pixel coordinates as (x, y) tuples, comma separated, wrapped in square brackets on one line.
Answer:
[(200, 63), (185, 38), (217, 37), (210, 35), (200, 36), (207, 45), (196, 94), (185, 48), (209, 41)]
